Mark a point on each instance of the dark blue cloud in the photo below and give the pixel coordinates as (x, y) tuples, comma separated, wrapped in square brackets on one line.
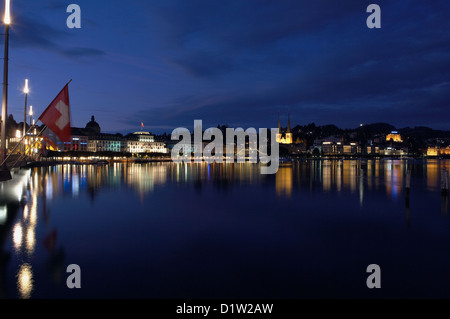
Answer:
[(33, 32), (168, 62), (316, 59)]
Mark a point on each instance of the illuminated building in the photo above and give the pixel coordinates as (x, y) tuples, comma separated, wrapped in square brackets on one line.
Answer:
[(13, 141), (91, 139), (285, 138), (373, 149), (81, 136), (433, 151), (143, 142), (335, 146), (438, 151), (392, 151), (445, 151), (328, 148), (79, 140), (394, 136), (98, 142), (104, 143)]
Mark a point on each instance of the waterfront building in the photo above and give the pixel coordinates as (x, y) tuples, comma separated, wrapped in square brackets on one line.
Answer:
[(393, 151), (444, 150), (433, 151), (79, 141), (12, 142), (80, 136), (373, 150), (104, 143), (91, 139), (143, 142), (438, 151), (335, 146)]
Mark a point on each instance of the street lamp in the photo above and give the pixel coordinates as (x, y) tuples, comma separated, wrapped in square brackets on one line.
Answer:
[(31, 113), (7, 21), (26, 90), (30, 139)]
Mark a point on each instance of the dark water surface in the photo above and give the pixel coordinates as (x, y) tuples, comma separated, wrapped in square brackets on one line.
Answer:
[(165, 230)]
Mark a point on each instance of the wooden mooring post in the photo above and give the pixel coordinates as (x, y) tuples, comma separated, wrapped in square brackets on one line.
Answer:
[(408, 182), (444, 182)]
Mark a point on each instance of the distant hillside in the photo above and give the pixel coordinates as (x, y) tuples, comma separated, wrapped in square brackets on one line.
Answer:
[(376, 128), (422, 132)]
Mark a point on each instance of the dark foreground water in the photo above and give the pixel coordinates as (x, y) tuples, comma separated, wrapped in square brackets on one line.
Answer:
[(164, 230)]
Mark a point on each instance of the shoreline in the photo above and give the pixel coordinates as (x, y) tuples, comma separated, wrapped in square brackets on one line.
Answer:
[(75, 161)]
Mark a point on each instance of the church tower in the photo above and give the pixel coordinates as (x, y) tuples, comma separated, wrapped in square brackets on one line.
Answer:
[(288, 132), (278, 137), (287, 137)]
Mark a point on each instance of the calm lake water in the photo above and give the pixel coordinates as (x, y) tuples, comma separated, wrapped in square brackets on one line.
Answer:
[(165, 230)]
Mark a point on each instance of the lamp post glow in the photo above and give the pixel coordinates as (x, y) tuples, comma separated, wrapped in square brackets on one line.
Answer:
[(25, 90), (7, 21)]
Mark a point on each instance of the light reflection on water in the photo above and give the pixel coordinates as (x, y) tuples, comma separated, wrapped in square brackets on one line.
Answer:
[(25, 281), (31, 240), (141, 178), (333, 175)]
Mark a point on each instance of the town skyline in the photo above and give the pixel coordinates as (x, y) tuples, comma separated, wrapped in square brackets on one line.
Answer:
[(284, 125)]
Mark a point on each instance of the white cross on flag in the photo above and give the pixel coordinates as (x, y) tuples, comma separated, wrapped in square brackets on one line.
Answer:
[(57, 115)]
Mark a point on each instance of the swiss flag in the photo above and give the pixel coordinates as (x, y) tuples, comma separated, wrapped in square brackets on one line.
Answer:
[(57, 116)]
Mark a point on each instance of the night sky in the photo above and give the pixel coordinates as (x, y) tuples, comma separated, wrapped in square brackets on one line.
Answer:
[(167, 63)]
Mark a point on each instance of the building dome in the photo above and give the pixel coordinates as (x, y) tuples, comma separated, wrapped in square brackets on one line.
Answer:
[(93, 126)]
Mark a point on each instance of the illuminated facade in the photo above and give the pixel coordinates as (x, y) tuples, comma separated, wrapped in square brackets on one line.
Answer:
[(433, 151), (438, 151), (285, 138), (104, 143), (373, 149), (79, 141), (144, 142), (394, 136), (339, 148), (392, 151)]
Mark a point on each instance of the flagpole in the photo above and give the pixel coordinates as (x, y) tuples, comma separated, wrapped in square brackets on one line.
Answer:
[(25, 90), (5, 84), (31, 113)]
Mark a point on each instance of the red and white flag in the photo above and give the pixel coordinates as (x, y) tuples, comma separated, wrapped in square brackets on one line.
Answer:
[(57, 116), (50, 139)]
